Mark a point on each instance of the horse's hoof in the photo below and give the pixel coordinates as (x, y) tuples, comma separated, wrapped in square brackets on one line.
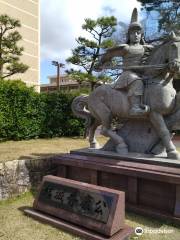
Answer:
[(95, 145), (122, 149), (173, 155)]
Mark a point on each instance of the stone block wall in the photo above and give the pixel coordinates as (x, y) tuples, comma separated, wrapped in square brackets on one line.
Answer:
[(19, 176)]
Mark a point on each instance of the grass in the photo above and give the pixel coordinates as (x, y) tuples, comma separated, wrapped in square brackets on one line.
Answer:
[(17, 226), (11, 150)]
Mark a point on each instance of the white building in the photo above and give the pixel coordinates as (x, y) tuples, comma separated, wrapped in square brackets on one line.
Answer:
[(27, 11)]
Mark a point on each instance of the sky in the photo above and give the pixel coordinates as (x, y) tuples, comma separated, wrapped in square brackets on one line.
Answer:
[(61, 22)]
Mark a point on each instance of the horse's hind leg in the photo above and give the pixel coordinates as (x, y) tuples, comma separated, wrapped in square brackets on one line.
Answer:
[(92, 139), (104, 114), (163, 132)]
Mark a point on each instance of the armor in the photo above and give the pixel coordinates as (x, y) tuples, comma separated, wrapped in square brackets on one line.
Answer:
[(132, 53), (132, 57), (132, 79)]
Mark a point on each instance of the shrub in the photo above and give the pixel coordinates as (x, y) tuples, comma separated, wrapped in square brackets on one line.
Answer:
[(26, 114), (59, 120), (21, 114)]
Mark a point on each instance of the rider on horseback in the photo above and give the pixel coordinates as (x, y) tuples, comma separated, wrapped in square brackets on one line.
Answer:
[(132, 76)]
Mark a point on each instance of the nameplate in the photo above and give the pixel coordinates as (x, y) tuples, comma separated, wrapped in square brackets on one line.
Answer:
[(94, 207)]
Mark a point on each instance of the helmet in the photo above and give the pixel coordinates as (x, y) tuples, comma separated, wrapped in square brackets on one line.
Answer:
[(135, 25), (134, 21)]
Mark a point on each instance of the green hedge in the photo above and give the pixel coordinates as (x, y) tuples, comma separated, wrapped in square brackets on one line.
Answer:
[(59, 120), (26, 114)]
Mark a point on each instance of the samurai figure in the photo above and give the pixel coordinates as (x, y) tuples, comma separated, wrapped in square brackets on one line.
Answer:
[(132, 53)]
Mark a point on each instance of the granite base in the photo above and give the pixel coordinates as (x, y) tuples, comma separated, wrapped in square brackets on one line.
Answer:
[(152, 187)]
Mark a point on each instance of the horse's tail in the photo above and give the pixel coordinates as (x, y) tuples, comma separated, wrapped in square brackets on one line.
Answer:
[(79, 108)]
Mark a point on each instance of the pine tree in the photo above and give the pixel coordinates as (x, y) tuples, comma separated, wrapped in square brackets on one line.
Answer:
[(86, 54), (10, 52), (168, 13)]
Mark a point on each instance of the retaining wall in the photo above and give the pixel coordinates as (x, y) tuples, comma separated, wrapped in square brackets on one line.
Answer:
[(19, 176)]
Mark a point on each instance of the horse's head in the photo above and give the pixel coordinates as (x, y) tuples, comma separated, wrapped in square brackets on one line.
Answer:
[(174, 53)]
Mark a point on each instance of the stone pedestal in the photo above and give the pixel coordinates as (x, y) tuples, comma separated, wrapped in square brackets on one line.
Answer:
[(74, 229), (151, 185)]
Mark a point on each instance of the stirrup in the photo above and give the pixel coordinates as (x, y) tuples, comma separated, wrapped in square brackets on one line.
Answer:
[(139, 110), (146, 108)]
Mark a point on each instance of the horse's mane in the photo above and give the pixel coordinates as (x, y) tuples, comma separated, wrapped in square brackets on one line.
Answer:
[(154, 56), (157, 55)]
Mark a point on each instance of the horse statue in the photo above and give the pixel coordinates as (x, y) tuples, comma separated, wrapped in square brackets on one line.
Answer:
[(106, 103)]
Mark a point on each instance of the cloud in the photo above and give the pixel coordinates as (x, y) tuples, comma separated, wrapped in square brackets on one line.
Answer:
[(55, 34), (61, 22)]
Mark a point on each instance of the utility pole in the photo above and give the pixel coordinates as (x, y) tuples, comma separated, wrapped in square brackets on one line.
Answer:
[(58, 65)]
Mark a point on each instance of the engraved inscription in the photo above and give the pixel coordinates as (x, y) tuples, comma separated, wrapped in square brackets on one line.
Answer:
[(83, 202)]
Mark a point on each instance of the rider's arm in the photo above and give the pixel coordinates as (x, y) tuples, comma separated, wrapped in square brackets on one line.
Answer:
[(148, 47), (118, 51)]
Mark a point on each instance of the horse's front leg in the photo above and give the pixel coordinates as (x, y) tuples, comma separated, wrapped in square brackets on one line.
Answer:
[(163, 132), (104, 115), (92, 139), (121, 146)]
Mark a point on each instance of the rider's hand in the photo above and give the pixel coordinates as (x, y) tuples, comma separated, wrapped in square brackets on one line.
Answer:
[(174, 66)]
